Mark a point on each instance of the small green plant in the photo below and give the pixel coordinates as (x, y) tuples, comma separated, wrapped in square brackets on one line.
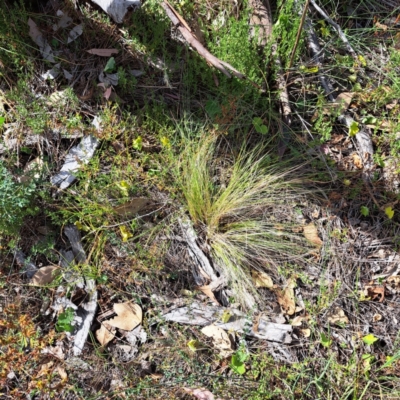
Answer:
[(15, 201), (64, 322), (238, 361), (364, 211)]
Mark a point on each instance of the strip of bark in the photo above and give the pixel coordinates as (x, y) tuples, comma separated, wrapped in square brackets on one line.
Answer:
[(222, 66)]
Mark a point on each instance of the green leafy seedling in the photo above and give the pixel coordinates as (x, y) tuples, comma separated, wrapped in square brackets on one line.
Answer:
[(259, 126), (370, 339), (325, 341), (353, 129), (364, 211), (389, 212), (64, 323), (238, 361), (110, 66)]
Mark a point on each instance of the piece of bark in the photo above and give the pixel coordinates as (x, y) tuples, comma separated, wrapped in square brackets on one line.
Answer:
[(87, 309), (176, 19), (261, 20), (201, 314), (117, 9), (80, 154)]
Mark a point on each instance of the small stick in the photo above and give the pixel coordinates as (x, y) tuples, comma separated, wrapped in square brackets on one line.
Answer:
[(296, 43)]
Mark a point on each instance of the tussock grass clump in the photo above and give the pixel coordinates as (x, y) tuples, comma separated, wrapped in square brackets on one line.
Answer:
[(237, 217)]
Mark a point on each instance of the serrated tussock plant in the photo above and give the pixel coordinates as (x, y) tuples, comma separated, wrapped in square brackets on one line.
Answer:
[(238, 216)]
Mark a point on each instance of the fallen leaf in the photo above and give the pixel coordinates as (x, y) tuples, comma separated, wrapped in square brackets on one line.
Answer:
[(375, 292), (220, 339), (338, 317), (45, 275), (357, 161), (306, 332), (61, 372), (201, 394), (103, 52), (297, 321), (107, 93), (311, 234), (45, 369), (38, 38), (75, 33), (208, 292), (286, 299), (129, 316), (105, 334), (261, 279), (341, 104), (377, 317), (134, 206), (394, 280)]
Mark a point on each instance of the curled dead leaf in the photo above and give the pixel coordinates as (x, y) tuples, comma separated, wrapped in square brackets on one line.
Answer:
[(375, 292), (337, 317), (45, 275), (207, 290), (311, 234), (286, 298), (261, 279), (220, 339), (105, 334), (306, 332), (129, 316)]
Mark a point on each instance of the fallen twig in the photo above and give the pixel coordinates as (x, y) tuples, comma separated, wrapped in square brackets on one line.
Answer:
[(336, 27), (176, 19)]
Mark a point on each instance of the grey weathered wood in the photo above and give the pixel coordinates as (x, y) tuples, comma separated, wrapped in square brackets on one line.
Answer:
[(86, 311), (201, 314)]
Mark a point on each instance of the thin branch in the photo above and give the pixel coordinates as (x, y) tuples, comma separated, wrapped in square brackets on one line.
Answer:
[(336, 27)]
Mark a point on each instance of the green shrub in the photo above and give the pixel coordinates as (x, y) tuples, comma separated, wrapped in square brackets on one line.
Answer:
[(15, 201)]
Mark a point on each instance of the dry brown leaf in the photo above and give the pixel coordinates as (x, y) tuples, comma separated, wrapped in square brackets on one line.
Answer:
[(220, 339), (311, 234), (61, 371), (201, 394), (103, 52), (45, 369), (297, 321), (375, 292), (208, 292), (394, 281), (357, 160), (45, 275), (338, 317), (306, 332), (134, 206), (105, 334), (286, 298), (261, 279), (129, 316), (377, 317)]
